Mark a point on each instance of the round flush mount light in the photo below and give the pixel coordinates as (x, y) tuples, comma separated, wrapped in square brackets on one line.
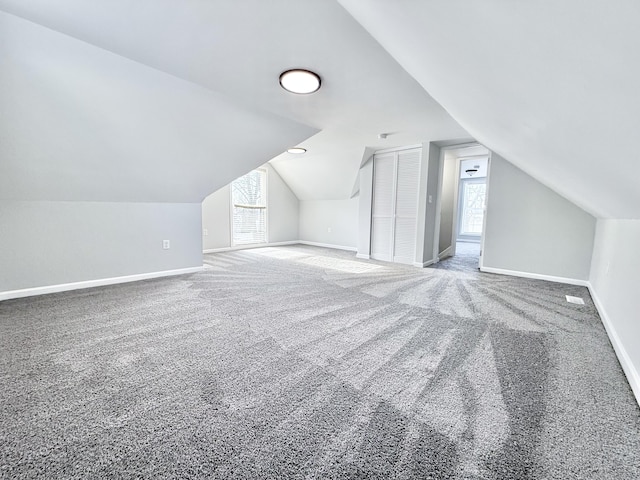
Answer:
[(297, 150), (300, 81)]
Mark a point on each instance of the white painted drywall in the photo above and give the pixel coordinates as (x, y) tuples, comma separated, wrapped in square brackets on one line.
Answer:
[(427, 206), (531, 229), (447, 203), (282, 214), (53, 243), (340, 216), (216, 219), (82, 123), (551, 80), (481, 164), (364, 209), (615, 286), (283, 209)]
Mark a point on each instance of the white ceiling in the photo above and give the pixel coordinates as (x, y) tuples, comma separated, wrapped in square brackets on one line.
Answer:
[(159, 100), (80, 123), (552, 86), (236, 51), (469, 157)]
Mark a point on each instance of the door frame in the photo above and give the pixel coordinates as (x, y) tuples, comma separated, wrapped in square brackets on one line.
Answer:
[(458, 209), (396, 151), (456, 187)]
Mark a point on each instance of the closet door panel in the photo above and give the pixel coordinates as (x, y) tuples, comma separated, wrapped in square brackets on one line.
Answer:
[(408, 184), (383, 185), (405, 240), (381, 238), (382, 210), (396, 183)]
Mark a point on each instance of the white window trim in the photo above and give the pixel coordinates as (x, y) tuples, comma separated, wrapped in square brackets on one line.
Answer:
[(473, 237), (266, 211)]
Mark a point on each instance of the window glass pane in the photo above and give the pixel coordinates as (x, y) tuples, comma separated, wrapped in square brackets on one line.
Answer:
[(249, 197), (472, 208)]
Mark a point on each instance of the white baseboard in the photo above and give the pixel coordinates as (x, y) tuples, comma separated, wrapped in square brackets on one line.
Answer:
[(363, 256), (425, 264), (445, 253), (537, 276), (328, 245), (279, 244), (63, 287), (246, 247), (633, 376)]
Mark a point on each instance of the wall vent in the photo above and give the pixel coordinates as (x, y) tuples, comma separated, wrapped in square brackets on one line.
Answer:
[(576, 300)]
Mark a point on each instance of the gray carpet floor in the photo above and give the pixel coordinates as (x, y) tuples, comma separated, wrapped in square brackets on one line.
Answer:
[(466, 259), (300, 362)]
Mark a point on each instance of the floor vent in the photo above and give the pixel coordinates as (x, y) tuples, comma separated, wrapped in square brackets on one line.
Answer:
[(576, 300)]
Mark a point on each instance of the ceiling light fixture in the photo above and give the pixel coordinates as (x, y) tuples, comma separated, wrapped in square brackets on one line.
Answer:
[(300, 81), (297, 150)]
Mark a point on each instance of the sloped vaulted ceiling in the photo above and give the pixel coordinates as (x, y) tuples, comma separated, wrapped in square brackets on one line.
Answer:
[(160, 100), (550, 85), (165, 100), (81, 123)]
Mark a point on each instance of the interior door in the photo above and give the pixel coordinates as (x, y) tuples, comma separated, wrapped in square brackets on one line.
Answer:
[(396, 180), (406, 211)]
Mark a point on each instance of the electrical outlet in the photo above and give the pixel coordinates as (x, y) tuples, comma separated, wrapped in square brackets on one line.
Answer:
[(205, 232), (328, 229), (166, 244)]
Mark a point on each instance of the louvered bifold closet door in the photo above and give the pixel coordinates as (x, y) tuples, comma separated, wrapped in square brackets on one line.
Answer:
[(382, 211), (408, 178)]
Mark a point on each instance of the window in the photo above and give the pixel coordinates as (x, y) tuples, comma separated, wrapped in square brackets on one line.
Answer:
[(249, 204), (472, 200)]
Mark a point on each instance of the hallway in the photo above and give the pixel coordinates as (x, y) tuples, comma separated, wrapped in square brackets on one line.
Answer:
[(465, 260)]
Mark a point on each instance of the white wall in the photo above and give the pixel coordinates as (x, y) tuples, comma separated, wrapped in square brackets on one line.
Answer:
[(53, 243), (341, 216), (364, 209), (282, 214), (530, 228), (216, 219), (615, 287), (283, 209), (427, 204), (82, 123), (447, 201)]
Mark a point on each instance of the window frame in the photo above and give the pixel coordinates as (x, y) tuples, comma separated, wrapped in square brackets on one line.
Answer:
[(263, 171), (468, 236)]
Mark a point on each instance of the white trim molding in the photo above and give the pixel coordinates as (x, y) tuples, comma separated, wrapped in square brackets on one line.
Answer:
[(64, 287), (633, 376), (280, 244), (247, 247), (328, 245), (447, 252), (536, 276), (396, 149), (363, 256), (425, 264)]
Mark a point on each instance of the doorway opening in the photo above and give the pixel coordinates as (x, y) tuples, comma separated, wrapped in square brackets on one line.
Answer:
[(463, 194)]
